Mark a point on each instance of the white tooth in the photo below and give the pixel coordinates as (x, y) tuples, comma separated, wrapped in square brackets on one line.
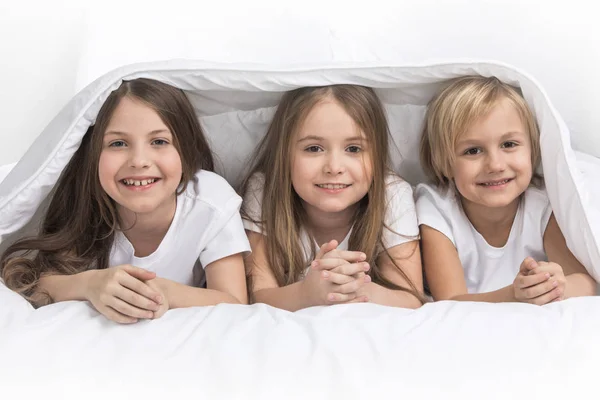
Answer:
[(144, 182), (137, 183)]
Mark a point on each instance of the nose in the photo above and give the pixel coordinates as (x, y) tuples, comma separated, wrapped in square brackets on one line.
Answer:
[(139, 157), (334, 164), (496, 161)]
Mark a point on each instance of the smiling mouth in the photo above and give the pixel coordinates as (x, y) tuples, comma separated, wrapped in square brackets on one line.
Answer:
[(496, 183), (135, 182), (333, 186)]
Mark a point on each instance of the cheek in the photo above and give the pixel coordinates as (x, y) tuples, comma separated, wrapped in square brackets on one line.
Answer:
[(302, 168), (172, 164), (107, 167)]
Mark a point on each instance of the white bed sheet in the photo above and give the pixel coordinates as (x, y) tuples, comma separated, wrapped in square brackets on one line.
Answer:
[(446, 350)]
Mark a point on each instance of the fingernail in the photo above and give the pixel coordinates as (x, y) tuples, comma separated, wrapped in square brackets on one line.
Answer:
[(547, 276), (367, 278), (331, 297), (325, 274), (363, 256), (158, 299), (555, 283), (366, 266)]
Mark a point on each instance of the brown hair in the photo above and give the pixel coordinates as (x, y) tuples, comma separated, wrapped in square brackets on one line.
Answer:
[(455, 109), (282, 213), (78, 228)]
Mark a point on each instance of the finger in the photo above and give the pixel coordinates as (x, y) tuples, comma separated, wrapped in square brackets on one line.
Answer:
[(116, 316), (326, 248), (140, 288), (350, 256), (159, 313), (353, 286), (340, 297), (327, 263), (338, 279), (548, 297), (135, 299), (359, 299), (527, 265), (139, 273), (525, 281), (129, 310), (545, 268), (352, 269), (540, 289)]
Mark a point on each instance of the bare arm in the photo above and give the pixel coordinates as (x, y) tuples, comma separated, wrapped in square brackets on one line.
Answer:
[(408, 257), (226, 283), (579, 282), (67, 287), (264, 285), (445, 274)]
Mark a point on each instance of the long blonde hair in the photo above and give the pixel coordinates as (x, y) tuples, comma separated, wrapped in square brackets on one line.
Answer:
[(78, 229), (455, 109), (282, 213)]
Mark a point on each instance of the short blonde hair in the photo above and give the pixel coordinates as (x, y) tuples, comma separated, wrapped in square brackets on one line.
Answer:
[(455, 109)]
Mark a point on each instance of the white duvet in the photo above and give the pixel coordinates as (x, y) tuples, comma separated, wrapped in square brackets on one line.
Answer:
[(443, 350)]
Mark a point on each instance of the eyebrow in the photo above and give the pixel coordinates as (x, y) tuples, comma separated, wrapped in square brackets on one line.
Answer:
[(151, 133), (476, 141), (321, 139)]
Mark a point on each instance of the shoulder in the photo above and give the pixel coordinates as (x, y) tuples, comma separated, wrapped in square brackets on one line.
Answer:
[(537, 196), (537, 209), (212, 190), (441, 197), (396, 186)]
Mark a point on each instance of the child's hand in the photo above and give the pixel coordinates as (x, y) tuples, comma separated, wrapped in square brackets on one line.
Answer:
[(329, 250), (332, 278), (325, 287), (557, 277), (160, 285), (120, 294), (534, 287)]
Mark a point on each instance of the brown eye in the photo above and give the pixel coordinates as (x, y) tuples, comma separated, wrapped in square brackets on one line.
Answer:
[(313, 149), (472, 151)]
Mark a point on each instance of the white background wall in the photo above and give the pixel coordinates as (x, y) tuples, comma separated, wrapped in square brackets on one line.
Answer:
[(50, 50)]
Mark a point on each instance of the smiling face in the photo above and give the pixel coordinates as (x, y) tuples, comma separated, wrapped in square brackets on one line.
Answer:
[(139, 167), (331, 163), (492, 166)]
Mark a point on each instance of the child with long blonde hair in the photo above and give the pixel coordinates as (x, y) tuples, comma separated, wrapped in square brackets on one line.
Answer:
[(487, 227), (138, 196), (327, 220)]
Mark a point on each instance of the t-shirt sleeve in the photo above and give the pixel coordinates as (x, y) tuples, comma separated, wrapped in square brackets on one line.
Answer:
[(400, 214), (229, 236), (430, 210), (252, 204)]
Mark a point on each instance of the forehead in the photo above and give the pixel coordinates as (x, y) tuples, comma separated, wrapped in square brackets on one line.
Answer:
[(328, 119), (132, 115), (502, 118)]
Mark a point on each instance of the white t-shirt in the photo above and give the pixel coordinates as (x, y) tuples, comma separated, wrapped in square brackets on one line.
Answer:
[(487, 268), (400, 214), (207, 226)]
